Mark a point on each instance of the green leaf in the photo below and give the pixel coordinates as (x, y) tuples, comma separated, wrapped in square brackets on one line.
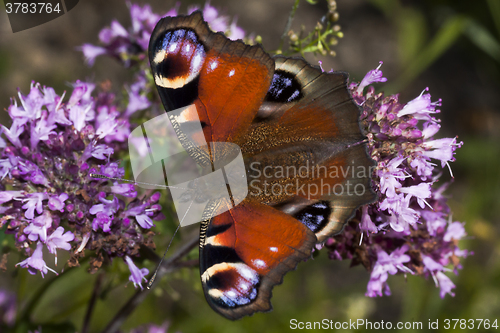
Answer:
[(483, 39), (495, 12), (412, 34), (442, 41), (388, 7)]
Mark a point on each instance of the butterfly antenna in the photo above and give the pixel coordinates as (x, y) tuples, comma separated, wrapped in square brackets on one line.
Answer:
[(97, 175), (150, 283)]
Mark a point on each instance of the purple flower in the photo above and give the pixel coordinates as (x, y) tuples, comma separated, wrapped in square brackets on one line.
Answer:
[(31, 105), (210, 14), (376, 287), (129, 45), (235, 32), (144, 221), (137, 95), (57, 202), (91, 52), (102, 152), (390, 176), (8, 306), (411, 215), (127, 190), (36, 176), (108, 127), (443, 149), (143, 17), (82, 95), (420, 107), (445, 284), (375, 75), (104, 214), (41, 131), (430, 128), (38, 227), (35, 262), (112, 170), (58, 240), (366, 222), (390, 263), (136, 275), (52, 147), (430, 264), (420, 191), (6, 196), (79, 115), (455, 230), (14, 132), (34, 201), (387, 264), (435, 222), (115, 30)]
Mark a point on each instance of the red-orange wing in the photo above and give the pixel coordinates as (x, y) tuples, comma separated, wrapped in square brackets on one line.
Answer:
[(245, 251), (226, 80)]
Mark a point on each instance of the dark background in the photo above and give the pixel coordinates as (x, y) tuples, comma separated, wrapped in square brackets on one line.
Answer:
[(450, 46)]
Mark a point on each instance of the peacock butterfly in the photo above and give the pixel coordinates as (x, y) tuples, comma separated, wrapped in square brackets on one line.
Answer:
[(304, 153)]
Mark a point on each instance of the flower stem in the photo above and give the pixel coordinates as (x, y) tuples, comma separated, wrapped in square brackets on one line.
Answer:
[(288, 24), (35, 300), (93, 299), (168, 266)]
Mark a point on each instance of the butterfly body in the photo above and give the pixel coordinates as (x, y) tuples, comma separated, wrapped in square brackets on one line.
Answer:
[(299, 135)]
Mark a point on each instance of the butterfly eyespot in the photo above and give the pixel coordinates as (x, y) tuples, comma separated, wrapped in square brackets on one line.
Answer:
[(284, 88), (231, 284), (178, 58)]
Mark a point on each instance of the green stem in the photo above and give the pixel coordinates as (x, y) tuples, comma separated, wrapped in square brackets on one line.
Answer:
[(288, 24), (495, 12), (91, 305), (28, 309)]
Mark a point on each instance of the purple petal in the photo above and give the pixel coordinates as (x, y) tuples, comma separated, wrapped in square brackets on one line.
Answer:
[(90, 52), (136, 275)]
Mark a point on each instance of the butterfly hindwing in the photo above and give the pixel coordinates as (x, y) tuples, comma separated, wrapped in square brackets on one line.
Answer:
[(245, 251)]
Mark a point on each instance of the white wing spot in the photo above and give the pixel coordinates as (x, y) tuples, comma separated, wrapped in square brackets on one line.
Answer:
[(159, 56), (259, 263), (172, 47), (274, 249), (231, 73)]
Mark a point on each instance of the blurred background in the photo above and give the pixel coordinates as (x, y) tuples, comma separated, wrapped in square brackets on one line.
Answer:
[(450, 46)]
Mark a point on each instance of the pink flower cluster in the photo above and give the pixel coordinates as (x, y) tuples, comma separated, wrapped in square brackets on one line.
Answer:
[(47, 197), (409, 229)]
